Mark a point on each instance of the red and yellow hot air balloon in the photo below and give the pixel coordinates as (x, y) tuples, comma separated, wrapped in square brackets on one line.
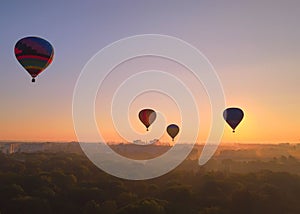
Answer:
[(34, 54), (147, 117)]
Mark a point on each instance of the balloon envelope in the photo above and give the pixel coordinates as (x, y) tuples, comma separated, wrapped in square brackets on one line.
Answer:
[(173, 130), (147, 117), (34, 54), (233, 116)]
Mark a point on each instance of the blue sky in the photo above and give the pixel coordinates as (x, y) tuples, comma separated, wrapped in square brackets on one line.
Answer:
[(253, 45)]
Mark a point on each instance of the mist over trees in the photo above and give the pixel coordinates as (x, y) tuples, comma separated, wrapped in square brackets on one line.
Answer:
[(70, 183)]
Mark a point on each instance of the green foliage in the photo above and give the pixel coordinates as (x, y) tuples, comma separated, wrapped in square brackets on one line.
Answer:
[(145, 206), (70, 183)]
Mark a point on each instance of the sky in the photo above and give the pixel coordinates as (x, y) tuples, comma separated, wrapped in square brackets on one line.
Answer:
[(253, 46)]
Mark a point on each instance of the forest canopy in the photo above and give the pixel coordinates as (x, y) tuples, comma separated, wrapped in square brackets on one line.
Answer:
[(70, 183)]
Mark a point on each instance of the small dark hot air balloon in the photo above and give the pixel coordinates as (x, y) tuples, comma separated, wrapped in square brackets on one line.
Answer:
[(34, 54), (147, 117), (233, 116), (173, 130)]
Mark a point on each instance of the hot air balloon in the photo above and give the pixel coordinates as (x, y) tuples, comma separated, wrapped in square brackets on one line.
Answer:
[(147, 117), (233, 116), (34, 54), (173, 130)]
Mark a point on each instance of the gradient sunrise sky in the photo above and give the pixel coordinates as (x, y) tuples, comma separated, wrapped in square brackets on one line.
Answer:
[(253, 45)]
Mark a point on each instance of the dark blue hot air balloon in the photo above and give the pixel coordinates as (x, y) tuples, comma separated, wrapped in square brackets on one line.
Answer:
[(233, 116)]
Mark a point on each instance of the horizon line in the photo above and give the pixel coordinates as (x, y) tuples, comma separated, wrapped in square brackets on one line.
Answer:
[(160, 143)]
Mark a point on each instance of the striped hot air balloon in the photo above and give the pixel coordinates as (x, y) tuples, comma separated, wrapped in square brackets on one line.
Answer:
[(34, 54)]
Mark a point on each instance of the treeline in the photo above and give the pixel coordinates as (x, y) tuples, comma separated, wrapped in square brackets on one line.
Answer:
[(70, 183), (276, 164)]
